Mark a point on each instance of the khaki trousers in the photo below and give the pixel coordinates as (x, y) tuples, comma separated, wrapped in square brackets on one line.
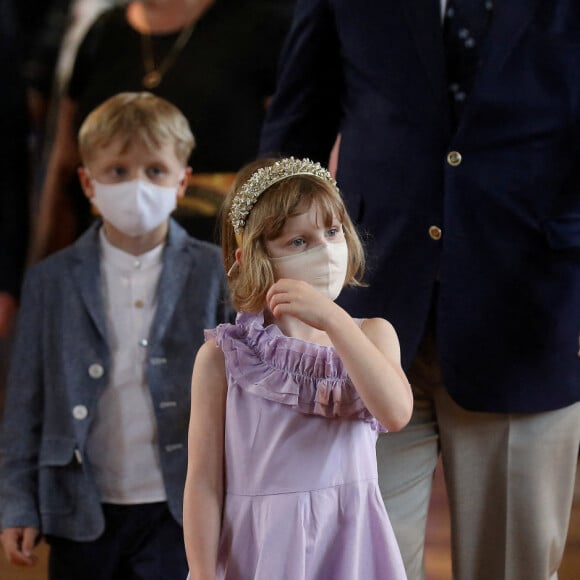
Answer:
[(510, 481)]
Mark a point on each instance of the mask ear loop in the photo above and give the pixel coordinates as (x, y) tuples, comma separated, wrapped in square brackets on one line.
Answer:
[(233, 269)]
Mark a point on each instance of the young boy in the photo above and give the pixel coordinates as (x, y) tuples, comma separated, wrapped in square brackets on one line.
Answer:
[(94, 437)]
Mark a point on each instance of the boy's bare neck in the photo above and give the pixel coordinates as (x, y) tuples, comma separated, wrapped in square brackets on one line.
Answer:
[(136, 245)]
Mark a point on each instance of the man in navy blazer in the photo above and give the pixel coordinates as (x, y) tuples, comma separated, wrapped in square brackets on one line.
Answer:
[(473, 235)]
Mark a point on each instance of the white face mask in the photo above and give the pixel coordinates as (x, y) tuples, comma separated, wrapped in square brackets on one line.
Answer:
[(324, 267), (134, 207)]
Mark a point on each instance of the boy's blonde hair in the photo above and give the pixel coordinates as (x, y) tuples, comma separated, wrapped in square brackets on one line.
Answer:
[(129, 116), (292, 196)]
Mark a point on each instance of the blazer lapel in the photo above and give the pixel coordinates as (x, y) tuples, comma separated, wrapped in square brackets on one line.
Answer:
[(424, 18), (510, 20), (86, 270), (176, 269)]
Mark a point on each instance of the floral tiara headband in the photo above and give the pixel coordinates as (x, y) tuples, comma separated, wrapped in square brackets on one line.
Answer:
[(264, 178)]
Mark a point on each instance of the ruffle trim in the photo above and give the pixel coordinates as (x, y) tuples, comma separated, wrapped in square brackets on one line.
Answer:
[(309, 377)]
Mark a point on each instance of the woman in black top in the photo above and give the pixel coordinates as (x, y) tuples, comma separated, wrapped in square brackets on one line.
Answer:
[(214, 59)]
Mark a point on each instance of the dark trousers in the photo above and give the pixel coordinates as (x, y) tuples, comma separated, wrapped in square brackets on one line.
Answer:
[(140, 542)]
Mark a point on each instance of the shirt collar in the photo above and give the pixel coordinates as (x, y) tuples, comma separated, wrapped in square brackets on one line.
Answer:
[(125, 261)]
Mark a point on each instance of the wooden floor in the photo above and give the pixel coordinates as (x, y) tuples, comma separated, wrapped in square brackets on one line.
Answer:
[(437, 556)]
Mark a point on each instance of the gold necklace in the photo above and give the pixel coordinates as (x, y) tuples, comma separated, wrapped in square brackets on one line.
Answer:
[(154, 75)]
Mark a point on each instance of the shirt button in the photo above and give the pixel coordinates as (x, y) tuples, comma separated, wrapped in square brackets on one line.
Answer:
[(435, 233), (454, 158), (80, 412), (143, 342), (139, 303), (96, 371), (137, 264)]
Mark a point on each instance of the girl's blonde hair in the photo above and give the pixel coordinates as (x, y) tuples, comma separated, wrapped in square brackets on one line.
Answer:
[(250, 281), (129, 116)]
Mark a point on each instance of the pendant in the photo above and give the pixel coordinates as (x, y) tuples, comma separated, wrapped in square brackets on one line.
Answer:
[(152, 79)]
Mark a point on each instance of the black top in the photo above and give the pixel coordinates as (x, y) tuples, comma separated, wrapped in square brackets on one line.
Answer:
[(219, 81)]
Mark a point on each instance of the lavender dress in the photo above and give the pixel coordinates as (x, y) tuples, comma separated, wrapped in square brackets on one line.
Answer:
[(302, 499)]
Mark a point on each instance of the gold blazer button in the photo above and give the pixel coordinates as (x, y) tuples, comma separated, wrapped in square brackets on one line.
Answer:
[(454, 158), (435, 233)]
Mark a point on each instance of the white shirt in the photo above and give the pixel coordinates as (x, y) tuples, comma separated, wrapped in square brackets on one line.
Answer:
[(122, 444)]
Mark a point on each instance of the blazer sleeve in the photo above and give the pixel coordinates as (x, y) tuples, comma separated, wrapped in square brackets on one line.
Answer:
[(303, 118), (23, 411)]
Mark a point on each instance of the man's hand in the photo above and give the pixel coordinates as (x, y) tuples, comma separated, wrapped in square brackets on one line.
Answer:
[(18, 545)]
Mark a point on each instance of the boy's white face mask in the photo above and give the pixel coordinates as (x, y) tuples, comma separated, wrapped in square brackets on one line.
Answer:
[(134, 207), (324, 267)]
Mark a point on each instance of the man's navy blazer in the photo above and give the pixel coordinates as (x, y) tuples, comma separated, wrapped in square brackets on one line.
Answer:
[(504, 189), (61, 366)]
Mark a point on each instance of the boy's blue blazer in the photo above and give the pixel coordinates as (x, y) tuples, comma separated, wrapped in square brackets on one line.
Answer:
[(61, 366), (507, 261)]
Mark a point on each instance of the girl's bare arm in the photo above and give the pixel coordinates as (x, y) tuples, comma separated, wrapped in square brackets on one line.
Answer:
[(204, 486)]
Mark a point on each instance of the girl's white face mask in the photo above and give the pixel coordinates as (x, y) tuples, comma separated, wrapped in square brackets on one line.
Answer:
[(324, 267), (134, 207)]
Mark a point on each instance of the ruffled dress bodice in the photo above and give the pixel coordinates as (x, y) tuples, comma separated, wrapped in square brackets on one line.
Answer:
[(307, 376), (300, 464)]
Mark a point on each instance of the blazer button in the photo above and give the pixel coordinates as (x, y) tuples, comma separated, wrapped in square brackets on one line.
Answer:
[(435, 233), (96, 371), (454, 158), (80, 412)]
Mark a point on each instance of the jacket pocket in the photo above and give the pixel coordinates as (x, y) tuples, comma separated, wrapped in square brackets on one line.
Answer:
[(60, 476)]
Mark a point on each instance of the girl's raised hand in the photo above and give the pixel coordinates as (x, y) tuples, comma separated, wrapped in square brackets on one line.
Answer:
[(299, 299)]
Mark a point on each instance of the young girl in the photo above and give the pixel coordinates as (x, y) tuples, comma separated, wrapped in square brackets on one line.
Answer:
[(286, 402)]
